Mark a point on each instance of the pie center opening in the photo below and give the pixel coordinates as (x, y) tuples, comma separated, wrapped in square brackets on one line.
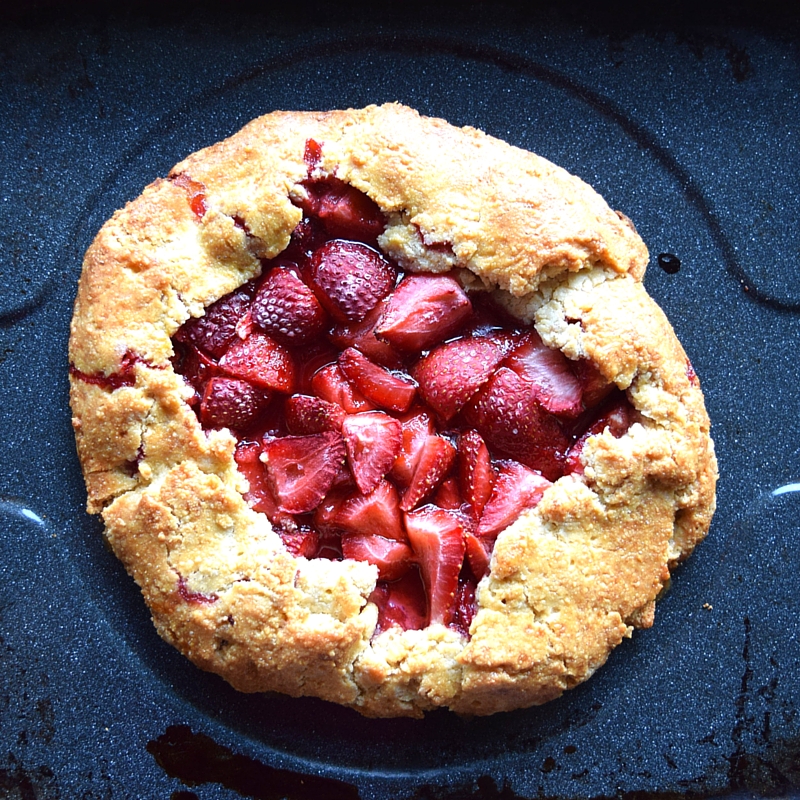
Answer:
[(387, 416)]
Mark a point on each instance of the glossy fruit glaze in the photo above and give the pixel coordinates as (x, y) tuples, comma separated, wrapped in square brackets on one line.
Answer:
[(385, 416)]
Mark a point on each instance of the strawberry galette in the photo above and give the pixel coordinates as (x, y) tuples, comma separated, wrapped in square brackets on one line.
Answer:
[(376, 409)]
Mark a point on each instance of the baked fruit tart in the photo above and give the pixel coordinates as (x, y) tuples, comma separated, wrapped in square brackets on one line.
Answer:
[(377, 410)]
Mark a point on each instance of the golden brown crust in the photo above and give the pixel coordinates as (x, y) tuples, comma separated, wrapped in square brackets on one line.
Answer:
[(568, 580)]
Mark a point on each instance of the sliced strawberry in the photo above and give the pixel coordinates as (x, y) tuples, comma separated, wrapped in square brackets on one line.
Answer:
[(244, 327), (392, 558), (350, 279), (260, 360), (330, 547), (376, 383), (306, 238), (196, 368), (452, 372), (344, 479), (466, 605), (373, 441), (301, 542), (326, 514), (490, 314), (305, 414), (330, 383), (595, 386), (448, 495), (216, 329), (345, 212), (436, 456), (300, 469), (549, 372), (479, 554), (476, 475), (437, 538), (401, 603), (416, 426), (510, 419), (247, 459), (616, 415), (376, 513), (287, 309), (232, 403), (361, 335), (259, 497), (517, 488), (423, 310)]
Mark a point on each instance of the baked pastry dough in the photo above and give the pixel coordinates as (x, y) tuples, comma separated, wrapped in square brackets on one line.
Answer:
[(569, 579)]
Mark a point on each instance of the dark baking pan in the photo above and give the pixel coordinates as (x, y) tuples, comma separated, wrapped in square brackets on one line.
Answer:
[(690, 128)]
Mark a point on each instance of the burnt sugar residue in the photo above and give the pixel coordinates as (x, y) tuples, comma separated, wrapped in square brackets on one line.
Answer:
[(670, 263), (195, 759)]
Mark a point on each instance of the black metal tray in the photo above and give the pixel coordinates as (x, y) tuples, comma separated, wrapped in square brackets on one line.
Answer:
[(690, 128)]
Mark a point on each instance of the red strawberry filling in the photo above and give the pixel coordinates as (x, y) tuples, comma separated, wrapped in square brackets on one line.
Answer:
[(383, 417)]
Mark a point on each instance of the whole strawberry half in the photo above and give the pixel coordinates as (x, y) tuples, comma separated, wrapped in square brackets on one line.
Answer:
[(614, 415), (376, 383), (350, 279), (422, 311), (416, 426), (478, 554), (259, 497), (549, 373), (196, 367), (260, 360), (448, 495), (510, 419), (361, 335), (232, 403), (216, 329), (595, 386), (306, 414), (287, 309), (516, 489), (465, 607), (452, 372), (344, 211)]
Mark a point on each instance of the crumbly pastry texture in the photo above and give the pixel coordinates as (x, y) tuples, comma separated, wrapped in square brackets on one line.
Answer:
[(569, 579)]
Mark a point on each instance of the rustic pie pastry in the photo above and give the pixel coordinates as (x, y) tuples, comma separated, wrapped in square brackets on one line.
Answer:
[(377, 409)]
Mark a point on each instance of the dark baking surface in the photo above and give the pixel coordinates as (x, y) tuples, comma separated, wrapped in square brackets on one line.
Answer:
[(689, 124)]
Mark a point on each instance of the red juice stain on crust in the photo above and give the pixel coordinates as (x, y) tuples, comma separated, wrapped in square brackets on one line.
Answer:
[(198, 598), (195, 191), (312, 155), (124, 376)]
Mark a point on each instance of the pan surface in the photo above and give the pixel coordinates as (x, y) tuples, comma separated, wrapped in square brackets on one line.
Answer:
[(690, 129)]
